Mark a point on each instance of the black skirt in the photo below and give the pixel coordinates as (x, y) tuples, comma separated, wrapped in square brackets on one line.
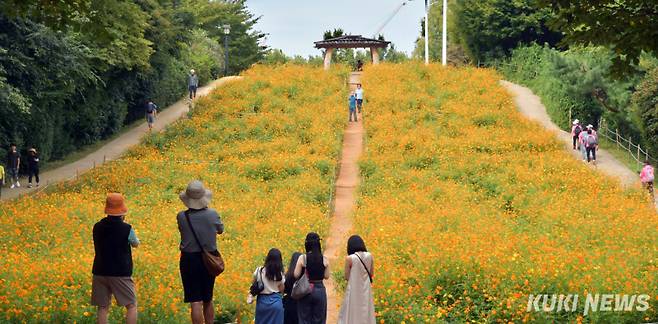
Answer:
[(198, 284)]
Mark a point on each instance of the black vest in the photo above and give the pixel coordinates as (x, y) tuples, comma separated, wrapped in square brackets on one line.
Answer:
[(113, 257)]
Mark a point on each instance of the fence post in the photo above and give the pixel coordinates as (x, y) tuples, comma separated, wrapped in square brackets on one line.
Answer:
[(570, 117), (104, 157)]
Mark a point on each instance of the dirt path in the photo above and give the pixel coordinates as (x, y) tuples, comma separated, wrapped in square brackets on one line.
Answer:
[(530, 105), (341, 226), (113, 149)]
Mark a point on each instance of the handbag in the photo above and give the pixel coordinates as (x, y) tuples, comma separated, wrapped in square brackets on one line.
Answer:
[(302, 287), (364, 265), (257, 286), (211, 259)]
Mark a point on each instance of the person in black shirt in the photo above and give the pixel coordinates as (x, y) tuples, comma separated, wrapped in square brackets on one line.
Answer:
[(13, 165), (113, 264), (289, 304), (32, 166), (312, 308)]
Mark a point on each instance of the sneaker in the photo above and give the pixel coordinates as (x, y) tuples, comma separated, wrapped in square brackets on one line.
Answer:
[(18, 184), (37, 185), (29, 185), (12, 186)]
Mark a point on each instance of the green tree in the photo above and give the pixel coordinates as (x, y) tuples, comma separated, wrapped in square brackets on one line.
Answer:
[(645, 99), (628, 27), (244, 42), (486, 30)]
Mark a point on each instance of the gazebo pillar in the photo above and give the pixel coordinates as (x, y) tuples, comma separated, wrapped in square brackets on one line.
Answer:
[(374, 55), (327, 58)]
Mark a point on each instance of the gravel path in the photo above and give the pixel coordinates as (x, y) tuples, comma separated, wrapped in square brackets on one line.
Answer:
[(530, 105)]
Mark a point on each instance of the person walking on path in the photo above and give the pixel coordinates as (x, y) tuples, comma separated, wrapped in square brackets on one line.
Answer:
[(13, 165), (358, 305), (647, 178), (582, 145), (289, 304), (591, 143), (269, 306), (352, 102), (202, 224), (576, 129), (312, 308), (32, 166), (192, 83), (113, 265), (359, 97), (151, 113)]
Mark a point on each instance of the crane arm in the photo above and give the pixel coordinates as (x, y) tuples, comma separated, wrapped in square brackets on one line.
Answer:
[(390, 17)]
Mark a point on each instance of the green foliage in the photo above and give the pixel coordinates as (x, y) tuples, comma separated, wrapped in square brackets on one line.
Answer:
[(628, 27), (75, 72), (575, 80), (485, 30), (578, 81), (645, 99)]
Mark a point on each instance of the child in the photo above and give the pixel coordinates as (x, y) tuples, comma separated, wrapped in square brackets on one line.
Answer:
[(353, 107)]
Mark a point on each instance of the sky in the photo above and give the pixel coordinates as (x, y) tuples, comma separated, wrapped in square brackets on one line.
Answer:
[(293, 25)]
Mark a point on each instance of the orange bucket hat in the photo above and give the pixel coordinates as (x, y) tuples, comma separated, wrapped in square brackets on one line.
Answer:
[(115, 205)]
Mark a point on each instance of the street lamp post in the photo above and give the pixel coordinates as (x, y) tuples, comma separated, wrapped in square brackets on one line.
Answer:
[(227, 29)]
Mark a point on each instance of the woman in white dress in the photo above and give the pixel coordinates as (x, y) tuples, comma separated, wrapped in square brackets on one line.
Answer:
[(358, 306)]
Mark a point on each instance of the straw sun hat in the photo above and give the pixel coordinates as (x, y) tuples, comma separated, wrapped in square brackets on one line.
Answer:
[(196, 196)]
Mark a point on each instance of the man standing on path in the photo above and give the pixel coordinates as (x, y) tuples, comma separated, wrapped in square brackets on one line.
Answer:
[(353, 107), (151, 113), (113, 264), (359, 96), (13, 165), (192, 84)]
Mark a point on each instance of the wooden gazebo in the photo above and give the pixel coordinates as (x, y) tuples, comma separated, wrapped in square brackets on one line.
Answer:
[(350, 41)]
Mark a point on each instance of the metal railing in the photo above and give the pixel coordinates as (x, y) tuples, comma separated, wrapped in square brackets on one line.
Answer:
[(635, 151)]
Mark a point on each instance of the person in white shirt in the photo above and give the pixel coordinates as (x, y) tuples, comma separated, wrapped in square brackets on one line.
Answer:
[(269, 305), (359, 97)]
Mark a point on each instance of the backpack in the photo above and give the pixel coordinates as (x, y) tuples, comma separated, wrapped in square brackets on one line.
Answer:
[(577, 130), (591, 140)]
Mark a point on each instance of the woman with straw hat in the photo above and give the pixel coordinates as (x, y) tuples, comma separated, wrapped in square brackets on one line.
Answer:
[(199, 227)]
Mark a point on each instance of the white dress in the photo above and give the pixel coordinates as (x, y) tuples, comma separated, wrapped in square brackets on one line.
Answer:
[(358, 306)]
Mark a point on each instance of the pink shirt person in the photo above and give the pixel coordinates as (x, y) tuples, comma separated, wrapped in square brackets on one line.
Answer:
[(646, 175)]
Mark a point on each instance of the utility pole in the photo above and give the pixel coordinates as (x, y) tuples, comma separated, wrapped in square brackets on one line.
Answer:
[(427, 38), (444, 45)]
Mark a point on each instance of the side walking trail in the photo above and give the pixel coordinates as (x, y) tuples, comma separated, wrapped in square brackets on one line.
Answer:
[(116, 147), (346, 184), (530, 106)]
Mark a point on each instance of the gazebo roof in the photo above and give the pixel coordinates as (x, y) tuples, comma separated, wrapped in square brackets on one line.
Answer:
[(351, 41)]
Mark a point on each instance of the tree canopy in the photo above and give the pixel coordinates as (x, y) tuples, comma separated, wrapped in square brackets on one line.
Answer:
[(628, 27)]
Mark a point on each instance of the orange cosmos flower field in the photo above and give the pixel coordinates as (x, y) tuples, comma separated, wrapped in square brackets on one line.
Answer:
[(469, 208), (266, 146)]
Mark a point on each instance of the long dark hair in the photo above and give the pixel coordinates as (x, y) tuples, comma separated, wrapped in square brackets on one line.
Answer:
[(290, 274), (313, 249), (355, 244), (273, 265)]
